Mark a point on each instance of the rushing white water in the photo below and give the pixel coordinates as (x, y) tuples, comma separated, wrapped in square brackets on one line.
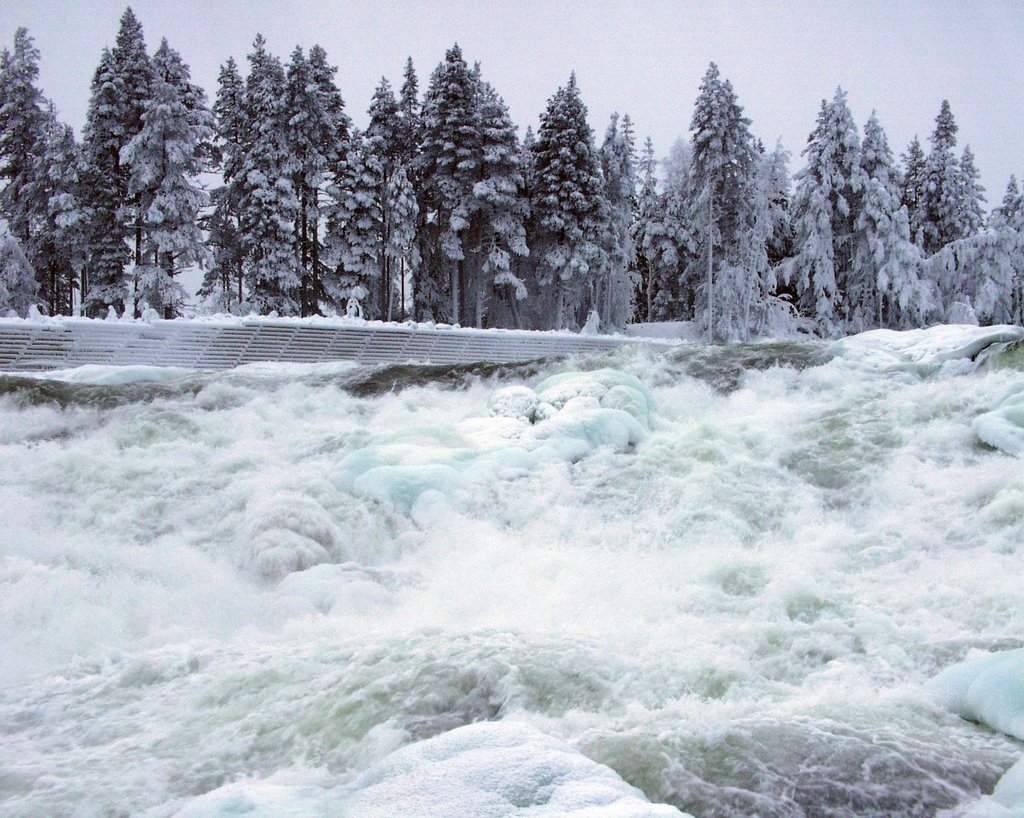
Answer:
[(714, 580)]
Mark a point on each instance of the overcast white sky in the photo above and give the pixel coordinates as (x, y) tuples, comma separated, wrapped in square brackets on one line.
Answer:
[(644, 58)]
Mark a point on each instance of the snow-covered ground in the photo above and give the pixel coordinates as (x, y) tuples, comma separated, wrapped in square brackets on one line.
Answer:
[(713, 580)]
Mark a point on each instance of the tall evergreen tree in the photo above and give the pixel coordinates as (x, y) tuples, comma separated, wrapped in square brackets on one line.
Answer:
[(647, 210), (267, 203), (401, 248), (449, 167), (57, 247), (225, 276), (722, 175), (825, 208), (120, 89), (616, 304), (883, 287), (355, 230), (569, 206), (941, 209), (22, 126), (973, 194), (165, 159), (498, 210), (912, 188)]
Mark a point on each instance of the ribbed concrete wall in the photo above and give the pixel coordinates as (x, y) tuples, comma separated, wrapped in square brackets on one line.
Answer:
[(28, 345)]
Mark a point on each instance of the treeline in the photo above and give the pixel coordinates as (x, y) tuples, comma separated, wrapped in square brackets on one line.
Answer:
[(438, 211)]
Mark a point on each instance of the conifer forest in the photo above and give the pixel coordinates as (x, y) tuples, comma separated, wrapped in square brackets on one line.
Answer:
[(442, 210)]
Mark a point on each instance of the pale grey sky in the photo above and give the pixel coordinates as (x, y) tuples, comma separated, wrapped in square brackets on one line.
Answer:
[(644, 58)]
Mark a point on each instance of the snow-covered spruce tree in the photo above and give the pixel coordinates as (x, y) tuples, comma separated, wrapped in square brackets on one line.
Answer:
[(984, 273), (1011, 211), (334, 136), (18, 286), (497, 211), (383, 140), (164, 161), (972, 193), (912, 186), (448, 167), (314, 132), (223, 283), (354, 245), (120, 89), (723, 170), (668, 241), (22, 125), (941, 217), (618, 285), (57, 247), (883, 288), (825, 206), (401, 248), (570, 210), (648, 208), (268, 206)]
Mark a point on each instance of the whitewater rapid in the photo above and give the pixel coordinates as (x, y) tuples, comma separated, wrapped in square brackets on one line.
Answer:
[(714, 580)]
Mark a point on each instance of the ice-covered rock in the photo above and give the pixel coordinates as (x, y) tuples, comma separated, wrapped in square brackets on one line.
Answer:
[(990, 689), (513, 402), (1003, 426), (483, 770), (565, 418), (922, 350)]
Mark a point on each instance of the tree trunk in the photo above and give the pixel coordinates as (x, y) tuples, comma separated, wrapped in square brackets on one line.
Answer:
[(456, 277), (559, 303), (711, 275)]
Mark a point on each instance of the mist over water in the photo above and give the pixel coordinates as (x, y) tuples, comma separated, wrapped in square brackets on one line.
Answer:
[(727, 580)]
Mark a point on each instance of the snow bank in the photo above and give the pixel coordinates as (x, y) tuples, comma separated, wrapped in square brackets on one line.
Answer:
[(484, 770), (990, 690), (565, 418)]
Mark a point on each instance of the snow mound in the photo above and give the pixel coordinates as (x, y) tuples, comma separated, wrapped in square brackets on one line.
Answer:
[(923, 350), (565, 418), (484, 770), (1003, 426)]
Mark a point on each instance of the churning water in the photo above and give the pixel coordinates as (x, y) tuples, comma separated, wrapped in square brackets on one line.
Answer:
[(716, 580)]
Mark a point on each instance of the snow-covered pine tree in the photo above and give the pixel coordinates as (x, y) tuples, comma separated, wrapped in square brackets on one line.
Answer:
[(498, 209), (940, 216), (825, 207), (883, 288), (409, 116), (912, 187), (448, 167), (616, 291), (17, 282), (723, 170), (164, 161), (355, 226), (22, 126), (268, 205), (972, 193), (569, 206)]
